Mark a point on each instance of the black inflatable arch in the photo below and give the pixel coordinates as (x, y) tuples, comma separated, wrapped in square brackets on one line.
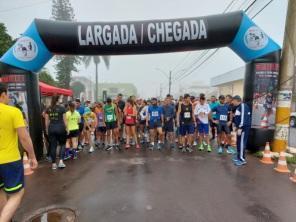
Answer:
[(45, 38)]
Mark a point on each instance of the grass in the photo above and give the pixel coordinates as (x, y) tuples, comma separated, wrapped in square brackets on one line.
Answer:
[(290, 160)]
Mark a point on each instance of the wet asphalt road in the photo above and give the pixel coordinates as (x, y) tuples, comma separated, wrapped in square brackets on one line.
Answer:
[(163, 186)]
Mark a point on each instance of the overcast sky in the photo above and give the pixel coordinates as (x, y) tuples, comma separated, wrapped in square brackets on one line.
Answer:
[(141, 69)]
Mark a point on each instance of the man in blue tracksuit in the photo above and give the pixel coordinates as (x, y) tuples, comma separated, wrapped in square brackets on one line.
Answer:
[(242, 121)]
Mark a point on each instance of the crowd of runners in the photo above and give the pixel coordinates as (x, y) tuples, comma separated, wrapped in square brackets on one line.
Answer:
[(184, 124)]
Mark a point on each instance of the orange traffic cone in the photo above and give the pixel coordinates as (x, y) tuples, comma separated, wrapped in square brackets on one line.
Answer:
[(267, 155), (27, 167), (282, 164), (293, 178), (264, 121)]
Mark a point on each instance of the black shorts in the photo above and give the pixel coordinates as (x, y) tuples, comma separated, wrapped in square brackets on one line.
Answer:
[(81, 126), (143, 122), (169, 126), (212, 124), (101, 129), (223, 128), (111, 125), (73, 134), (12, 177)]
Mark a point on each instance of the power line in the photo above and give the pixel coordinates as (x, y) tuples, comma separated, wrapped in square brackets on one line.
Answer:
[(212, 54), (24, 6), (181, 62), (248, 8)]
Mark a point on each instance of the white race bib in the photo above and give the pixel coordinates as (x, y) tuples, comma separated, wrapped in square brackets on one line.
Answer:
[(187, 115), (154, 113), (109, 117), (223, 117)]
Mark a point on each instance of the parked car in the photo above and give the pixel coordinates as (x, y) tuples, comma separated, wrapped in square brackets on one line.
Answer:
[(293, 120)]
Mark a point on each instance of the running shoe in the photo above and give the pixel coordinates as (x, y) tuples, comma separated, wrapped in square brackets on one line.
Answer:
[(183, 150), (127, 146), (48, 158), (137, 146), (151, 147), (61, 165), (189, 149), (209, 148), (54, 166), (75, 155), (91, 150), (240, 163), (204, 143), (80, 147), (195, 143), (235, 159), (229, 151), (232, 149), (159, 146), (109, 147), (220, 150), (117, 146), (201, 147)]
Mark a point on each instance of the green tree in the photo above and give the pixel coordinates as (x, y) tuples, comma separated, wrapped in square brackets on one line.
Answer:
[(5, 39), (77, 88), (45, 76), (96, 61), (62, 10)]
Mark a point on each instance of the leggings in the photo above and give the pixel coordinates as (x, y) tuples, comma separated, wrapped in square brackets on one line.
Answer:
[(57, 135)]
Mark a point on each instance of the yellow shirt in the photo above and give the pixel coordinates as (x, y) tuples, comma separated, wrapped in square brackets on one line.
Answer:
[(11, 118)]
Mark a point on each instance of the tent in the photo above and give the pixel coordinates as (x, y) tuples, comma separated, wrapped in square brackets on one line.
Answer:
[(48, 90)]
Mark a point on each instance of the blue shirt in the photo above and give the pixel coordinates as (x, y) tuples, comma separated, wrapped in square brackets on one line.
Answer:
[(169, 111), (81, 109), (155, 113), (222, 112), (213, 106)]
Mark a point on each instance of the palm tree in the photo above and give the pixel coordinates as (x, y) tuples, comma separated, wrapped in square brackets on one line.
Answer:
[(96, 60)]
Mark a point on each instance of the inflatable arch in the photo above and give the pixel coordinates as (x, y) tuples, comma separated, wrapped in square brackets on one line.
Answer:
[(45, 38)]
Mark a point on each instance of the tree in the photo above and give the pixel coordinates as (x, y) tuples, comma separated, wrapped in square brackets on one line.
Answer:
[(62, 10), (45, 76), (77, 88), (5, 39), (96, 60)]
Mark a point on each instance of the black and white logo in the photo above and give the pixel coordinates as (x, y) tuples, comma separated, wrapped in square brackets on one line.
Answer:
[(25, 49), (255, 38)]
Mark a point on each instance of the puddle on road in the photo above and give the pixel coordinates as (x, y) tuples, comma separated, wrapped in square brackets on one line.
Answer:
[(262, 214), (54, 215)]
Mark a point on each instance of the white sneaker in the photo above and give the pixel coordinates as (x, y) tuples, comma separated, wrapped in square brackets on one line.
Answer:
[(62, 165), (54, 166), (195, 143), (91, 149)]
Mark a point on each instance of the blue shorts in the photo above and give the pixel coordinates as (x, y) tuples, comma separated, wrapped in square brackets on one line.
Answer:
[(155, 124), (203, 128), (12, 177), (187, 129)]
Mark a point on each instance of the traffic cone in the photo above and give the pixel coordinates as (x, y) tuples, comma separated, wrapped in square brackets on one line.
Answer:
[(27, 167), (267, 155), (293, 178), (282, 164), (264, 121)]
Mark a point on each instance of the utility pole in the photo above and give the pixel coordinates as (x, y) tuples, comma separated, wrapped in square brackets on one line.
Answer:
[(170, 82), (160, 91), (287, 71), (97, 84)]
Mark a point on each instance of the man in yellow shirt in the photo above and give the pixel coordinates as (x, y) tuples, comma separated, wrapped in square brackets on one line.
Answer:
[(12, 128)]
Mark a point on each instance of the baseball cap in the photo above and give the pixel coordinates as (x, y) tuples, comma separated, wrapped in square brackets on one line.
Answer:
[(237, 97)]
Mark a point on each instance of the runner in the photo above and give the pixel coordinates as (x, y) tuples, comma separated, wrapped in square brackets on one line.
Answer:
[(111, 113), (186, 121), (80, 110), (178, 135), (169, 122), (130, 114), (101, 127), (202, 111), (242, 120), (143, 111), (121, 105), (213, 104), (11, 166), (232, 108), (223, 125), (155, 121), (73, 119), (55, 122), (90, 124)]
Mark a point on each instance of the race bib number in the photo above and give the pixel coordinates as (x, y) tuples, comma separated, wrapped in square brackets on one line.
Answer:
[(154, 113), (223, 117), (187, 115), (109, 117)]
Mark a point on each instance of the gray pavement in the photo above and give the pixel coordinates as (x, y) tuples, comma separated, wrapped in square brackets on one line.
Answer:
[(163, 186)]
